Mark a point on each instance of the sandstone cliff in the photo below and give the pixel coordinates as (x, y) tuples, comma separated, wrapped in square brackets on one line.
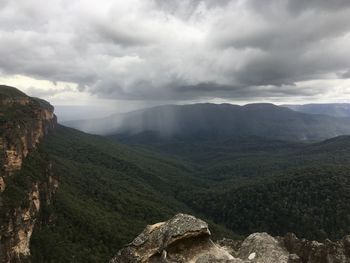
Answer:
[(186, 239), (24, 121)]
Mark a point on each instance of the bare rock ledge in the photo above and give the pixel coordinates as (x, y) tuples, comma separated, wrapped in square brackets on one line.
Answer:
[(186, 239)]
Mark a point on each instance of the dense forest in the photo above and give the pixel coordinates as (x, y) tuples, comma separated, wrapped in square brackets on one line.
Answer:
[(107, 194), (108, 191), (253, 184)]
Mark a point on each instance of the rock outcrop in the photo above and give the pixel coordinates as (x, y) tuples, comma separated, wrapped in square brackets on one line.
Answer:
[(183, 238), (262, 248), (186, 239), (316, 252), (24, 121)]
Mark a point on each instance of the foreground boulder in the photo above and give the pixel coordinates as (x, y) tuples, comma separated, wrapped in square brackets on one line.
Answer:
[(183, 238), (262, 248)]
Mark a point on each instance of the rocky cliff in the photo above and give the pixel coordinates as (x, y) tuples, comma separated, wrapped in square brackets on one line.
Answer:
[(186, 239), (24, 121)]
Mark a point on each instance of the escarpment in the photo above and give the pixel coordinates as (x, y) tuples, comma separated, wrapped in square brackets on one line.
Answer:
[(186, 239), (24, 187)]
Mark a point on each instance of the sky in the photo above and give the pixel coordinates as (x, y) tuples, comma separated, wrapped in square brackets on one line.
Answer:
[(117, 55)]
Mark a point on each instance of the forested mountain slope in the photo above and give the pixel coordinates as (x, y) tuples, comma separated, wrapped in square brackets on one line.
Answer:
[(76, 197), (304, 190), (251, 184), (107, 194)]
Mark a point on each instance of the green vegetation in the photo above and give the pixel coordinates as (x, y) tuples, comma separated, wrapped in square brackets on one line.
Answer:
[(20, 183), (6, 92), (253, 184), (311, 202), (107, 194)]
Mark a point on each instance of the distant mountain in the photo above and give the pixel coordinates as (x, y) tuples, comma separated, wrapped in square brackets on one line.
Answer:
[(81, 112), (330, 109), (216, 121)]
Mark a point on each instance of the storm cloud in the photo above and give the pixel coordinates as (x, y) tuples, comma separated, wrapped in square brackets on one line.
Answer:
[(179, 50)]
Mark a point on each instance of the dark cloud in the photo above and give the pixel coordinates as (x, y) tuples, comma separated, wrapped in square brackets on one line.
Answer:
[(345, 75), (186, 8), (178, 50), (37, 92), (243, 92), (297, 6)]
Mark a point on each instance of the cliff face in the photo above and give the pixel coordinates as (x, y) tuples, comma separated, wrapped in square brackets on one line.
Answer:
[(24, 121), (186, 239)]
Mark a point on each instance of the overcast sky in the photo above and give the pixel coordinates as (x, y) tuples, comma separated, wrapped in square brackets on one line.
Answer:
[(132, 53)]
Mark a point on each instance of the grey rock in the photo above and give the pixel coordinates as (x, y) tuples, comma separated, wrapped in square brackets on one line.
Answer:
[(316, 252), (293, 258), (263, 248), (183, 238)]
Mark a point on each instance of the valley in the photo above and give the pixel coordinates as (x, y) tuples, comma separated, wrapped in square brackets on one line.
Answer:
[(107, 189)]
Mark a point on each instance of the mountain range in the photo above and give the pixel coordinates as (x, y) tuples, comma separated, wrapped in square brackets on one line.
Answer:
[(217, 121), (331, 109)]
